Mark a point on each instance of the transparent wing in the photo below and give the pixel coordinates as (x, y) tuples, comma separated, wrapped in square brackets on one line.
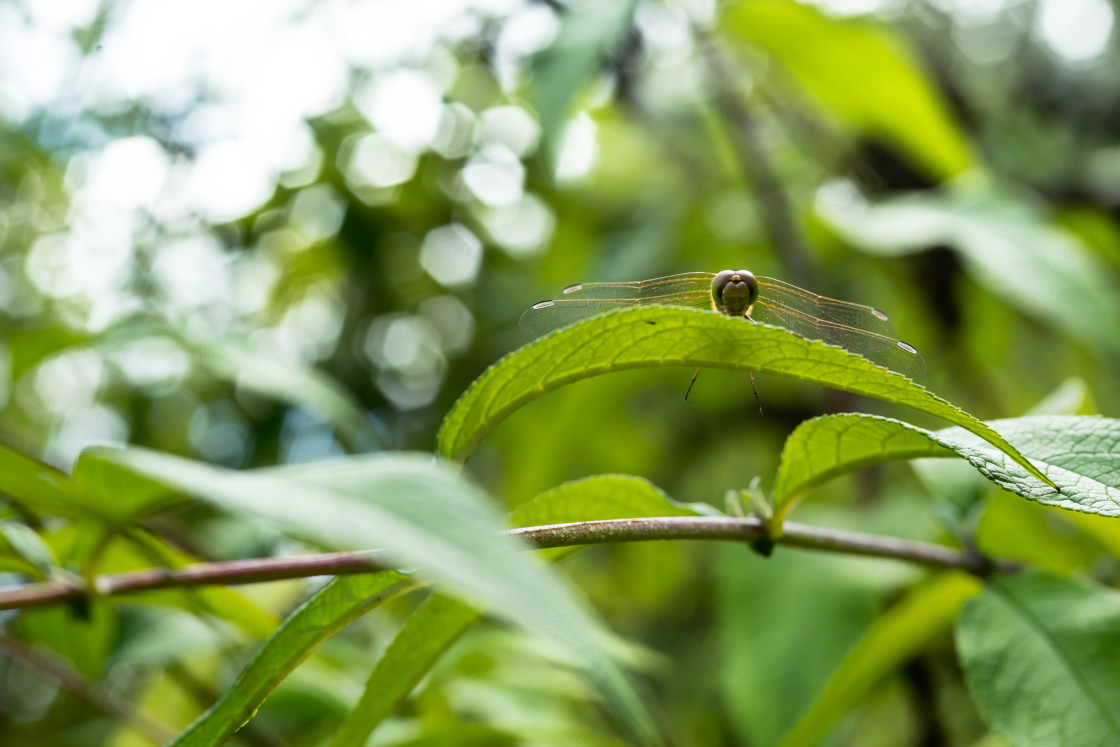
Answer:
[(861, 329), (588, 299)]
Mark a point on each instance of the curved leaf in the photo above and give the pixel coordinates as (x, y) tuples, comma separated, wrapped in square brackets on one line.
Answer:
[(332, 608), (21, 541), (424, 513), (654, 336), (1079, 453), (1041, 656)]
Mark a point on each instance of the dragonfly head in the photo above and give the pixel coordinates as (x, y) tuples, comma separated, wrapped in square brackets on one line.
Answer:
[(733, 291)]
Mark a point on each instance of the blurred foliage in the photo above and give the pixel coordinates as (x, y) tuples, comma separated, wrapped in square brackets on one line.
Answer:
[(272, 234)]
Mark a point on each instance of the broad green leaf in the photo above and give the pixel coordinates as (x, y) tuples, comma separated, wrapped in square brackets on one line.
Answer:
[(861, 72), (425, 636), (826, 447), (424, 514), (598, 498), (894, 638), (1041, 655), (653, 336), (588, 32), (1072, 397), (1079, 453), (332, 608), (1018, 256)]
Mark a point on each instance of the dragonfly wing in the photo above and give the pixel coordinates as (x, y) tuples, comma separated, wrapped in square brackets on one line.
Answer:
[(861, 329), (588, 299), (782, 295)]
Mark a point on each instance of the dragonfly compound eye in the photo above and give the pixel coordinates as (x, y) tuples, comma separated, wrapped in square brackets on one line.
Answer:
[(733, 291)]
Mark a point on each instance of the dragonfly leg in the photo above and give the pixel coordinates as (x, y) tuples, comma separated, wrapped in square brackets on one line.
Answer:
[(689, 391), (757, 400)]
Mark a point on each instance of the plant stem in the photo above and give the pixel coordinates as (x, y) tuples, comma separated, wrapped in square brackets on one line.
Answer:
[(749, 529)]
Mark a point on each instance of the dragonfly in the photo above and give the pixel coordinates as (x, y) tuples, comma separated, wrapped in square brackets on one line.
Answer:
[(861, 329)]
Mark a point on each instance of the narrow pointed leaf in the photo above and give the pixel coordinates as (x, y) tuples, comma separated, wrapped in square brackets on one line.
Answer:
[(440, 621), (894, 638), (332, 608), (425, 636)]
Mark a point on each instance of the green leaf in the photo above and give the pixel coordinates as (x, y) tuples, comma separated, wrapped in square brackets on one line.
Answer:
[(1041, 656), (22, 541), (332, 608), (1018, 256), (35, 485), (654, 336), (894, 638), (425, 515), (862, 73), (425, 636), (588, 32), (595, 499), (1081, 454), (118, 496), (826, 447), (599, 498), (441, 621)]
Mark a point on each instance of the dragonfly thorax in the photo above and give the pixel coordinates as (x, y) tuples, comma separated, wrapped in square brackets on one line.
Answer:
[(734, 291)]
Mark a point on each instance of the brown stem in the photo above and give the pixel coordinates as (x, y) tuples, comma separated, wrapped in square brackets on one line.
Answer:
[(748, 530)]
